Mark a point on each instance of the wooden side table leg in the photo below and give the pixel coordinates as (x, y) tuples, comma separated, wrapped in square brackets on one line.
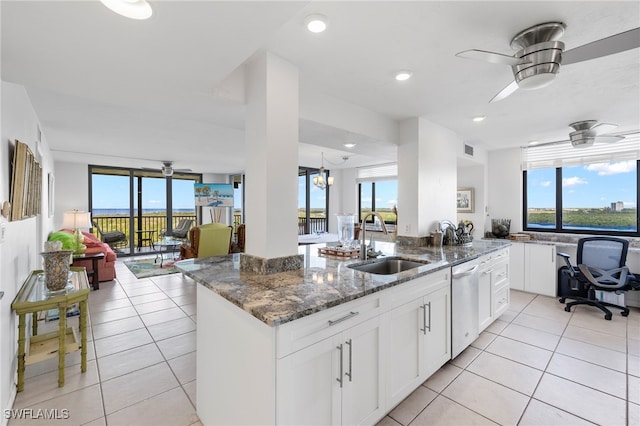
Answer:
[(96, 278), (83, 331), (21, 349), (62, 342)]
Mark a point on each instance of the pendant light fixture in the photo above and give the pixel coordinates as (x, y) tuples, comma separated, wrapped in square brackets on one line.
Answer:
[(320, 180)]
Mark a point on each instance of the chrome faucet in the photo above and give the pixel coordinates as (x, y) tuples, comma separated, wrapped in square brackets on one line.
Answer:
[(363, 245)]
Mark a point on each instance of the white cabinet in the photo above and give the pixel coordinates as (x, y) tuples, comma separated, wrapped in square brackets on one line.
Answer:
[(540, 269), (419, 337), (338, 380), (533, 268), (493, 286)]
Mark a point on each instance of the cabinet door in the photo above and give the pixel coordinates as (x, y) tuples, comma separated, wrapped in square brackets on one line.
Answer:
[(437, 342), (308, 390), (540, 269), (363, 378), (484, 296), (517, 266), (405, 349)]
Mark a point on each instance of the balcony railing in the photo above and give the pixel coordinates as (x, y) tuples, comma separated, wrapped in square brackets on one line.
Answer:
[(155, 223)]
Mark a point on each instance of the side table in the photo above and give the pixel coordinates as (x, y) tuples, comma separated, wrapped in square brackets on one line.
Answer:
[(94, 258), (34, 297), (145, 235)]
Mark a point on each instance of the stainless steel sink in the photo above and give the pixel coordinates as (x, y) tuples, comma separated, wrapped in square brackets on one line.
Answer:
[(388, 265)]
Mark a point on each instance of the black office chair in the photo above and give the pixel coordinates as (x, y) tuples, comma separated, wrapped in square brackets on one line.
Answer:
[(601, 266)]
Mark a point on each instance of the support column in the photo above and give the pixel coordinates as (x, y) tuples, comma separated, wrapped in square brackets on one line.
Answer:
[(427, 178), (271, 152)]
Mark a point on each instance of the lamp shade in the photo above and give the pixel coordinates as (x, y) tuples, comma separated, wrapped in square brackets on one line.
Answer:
[(74, 219)]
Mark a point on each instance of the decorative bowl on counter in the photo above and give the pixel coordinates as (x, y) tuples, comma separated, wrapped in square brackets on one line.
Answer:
[(500, 227)]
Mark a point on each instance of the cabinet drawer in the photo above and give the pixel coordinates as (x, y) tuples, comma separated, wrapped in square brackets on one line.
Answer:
[(306, 331), (500, 301), (411, 290), (500, 273)]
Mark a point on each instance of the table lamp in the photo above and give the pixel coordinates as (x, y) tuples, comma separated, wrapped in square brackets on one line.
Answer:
[(76, 219)]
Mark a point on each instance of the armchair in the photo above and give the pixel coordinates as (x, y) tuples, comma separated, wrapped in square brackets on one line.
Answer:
[(213, 239), (601, 267)]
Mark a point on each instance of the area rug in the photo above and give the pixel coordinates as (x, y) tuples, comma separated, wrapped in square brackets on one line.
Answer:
[(145, 268)]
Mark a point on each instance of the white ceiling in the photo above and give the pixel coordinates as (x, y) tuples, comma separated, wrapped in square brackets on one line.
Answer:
[(133, 93)]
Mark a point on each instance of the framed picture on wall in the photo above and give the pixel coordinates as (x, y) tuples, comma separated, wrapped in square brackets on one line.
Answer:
[(464, 200)]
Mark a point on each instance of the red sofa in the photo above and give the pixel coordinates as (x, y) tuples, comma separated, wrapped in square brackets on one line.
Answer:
[(106, 266)]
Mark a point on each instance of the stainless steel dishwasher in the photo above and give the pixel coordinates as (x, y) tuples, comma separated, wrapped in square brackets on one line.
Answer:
[(464, 306)]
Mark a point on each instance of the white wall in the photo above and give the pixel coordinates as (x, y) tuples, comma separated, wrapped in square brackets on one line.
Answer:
[(474, 177), (19, 253), (427, 176), (71, 189), (505, 187)]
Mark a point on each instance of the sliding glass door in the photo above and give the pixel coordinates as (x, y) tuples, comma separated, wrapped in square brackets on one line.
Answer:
[(143, 204)]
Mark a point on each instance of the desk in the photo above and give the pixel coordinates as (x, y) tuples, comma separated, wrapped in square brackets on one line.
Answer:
[(94, 258), (32, 298), (145, 235)]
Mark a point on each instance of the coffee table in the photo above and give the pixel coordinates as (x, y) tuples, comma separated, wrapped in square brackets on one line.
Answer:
[(164, 247)]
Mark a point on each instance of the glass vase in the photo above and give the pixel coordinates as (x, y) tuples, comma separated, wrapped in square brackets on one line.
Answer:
[(56, 269), (346, 223)]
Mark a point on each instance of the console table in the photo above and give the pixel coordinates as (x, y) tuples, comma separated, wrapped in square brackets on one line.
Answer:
[(34, 297)]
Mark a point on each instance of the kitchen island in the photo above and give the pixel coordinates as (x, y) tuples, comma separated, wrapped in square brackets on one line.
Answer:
[(318, 345)]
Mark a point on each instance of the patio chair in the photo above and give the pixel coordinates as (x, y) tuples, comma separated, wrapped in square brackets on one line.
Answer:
[(181, 231), (111, 238)]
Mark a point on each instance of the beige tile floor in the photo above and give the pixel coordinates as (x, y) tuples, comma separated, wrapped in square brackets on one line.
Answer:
[(536, 365)]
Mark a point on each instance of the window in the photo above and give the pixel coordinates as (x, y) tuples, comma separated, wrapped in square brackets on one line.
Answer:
[(313, 203), (381, 197), (589, 190)]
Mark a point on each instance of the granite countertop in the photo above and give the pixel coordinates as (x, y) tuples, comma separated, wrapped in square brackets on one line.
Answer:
[(323, 283)]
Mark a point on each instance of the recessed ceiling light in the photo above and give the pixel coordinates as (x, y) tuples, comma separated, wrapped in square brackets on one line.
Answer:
[(479, 118), (403, 75), (134, 9), (316, 23), (534, 142), (349, 145)]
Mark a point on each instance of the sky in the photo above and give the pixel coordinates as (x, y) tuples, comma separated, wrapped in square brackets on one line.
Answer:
[(593, 185), (112, 192)]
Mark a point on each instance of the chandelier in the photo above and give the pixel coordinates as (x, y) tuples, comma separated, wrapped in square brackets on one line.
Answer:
[(320, 180)]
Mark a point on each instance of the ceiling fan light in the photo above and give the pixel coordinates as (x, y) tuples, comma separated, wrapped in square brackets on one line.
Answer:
[(537, 81), (133, 9), (316, 23)]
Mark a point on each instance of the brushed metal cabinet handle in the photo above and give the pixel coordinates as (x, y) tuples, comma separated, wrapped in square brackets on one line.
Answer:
[(428, 327), (339, 379), (350, 373), (344, 318), (424, 319)]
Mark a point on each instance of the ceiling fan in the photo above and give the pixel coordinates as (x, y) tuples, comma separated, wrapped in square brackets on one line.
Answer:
[(167, 169), (586, 133), (539, 55)]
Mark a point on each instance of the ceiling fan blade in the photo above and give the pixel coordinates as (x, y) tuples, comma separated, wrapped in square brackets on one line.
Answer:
[(512, 87), (608, 138), (603, 47), (603, 128), (494, 58), (182, 170)]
